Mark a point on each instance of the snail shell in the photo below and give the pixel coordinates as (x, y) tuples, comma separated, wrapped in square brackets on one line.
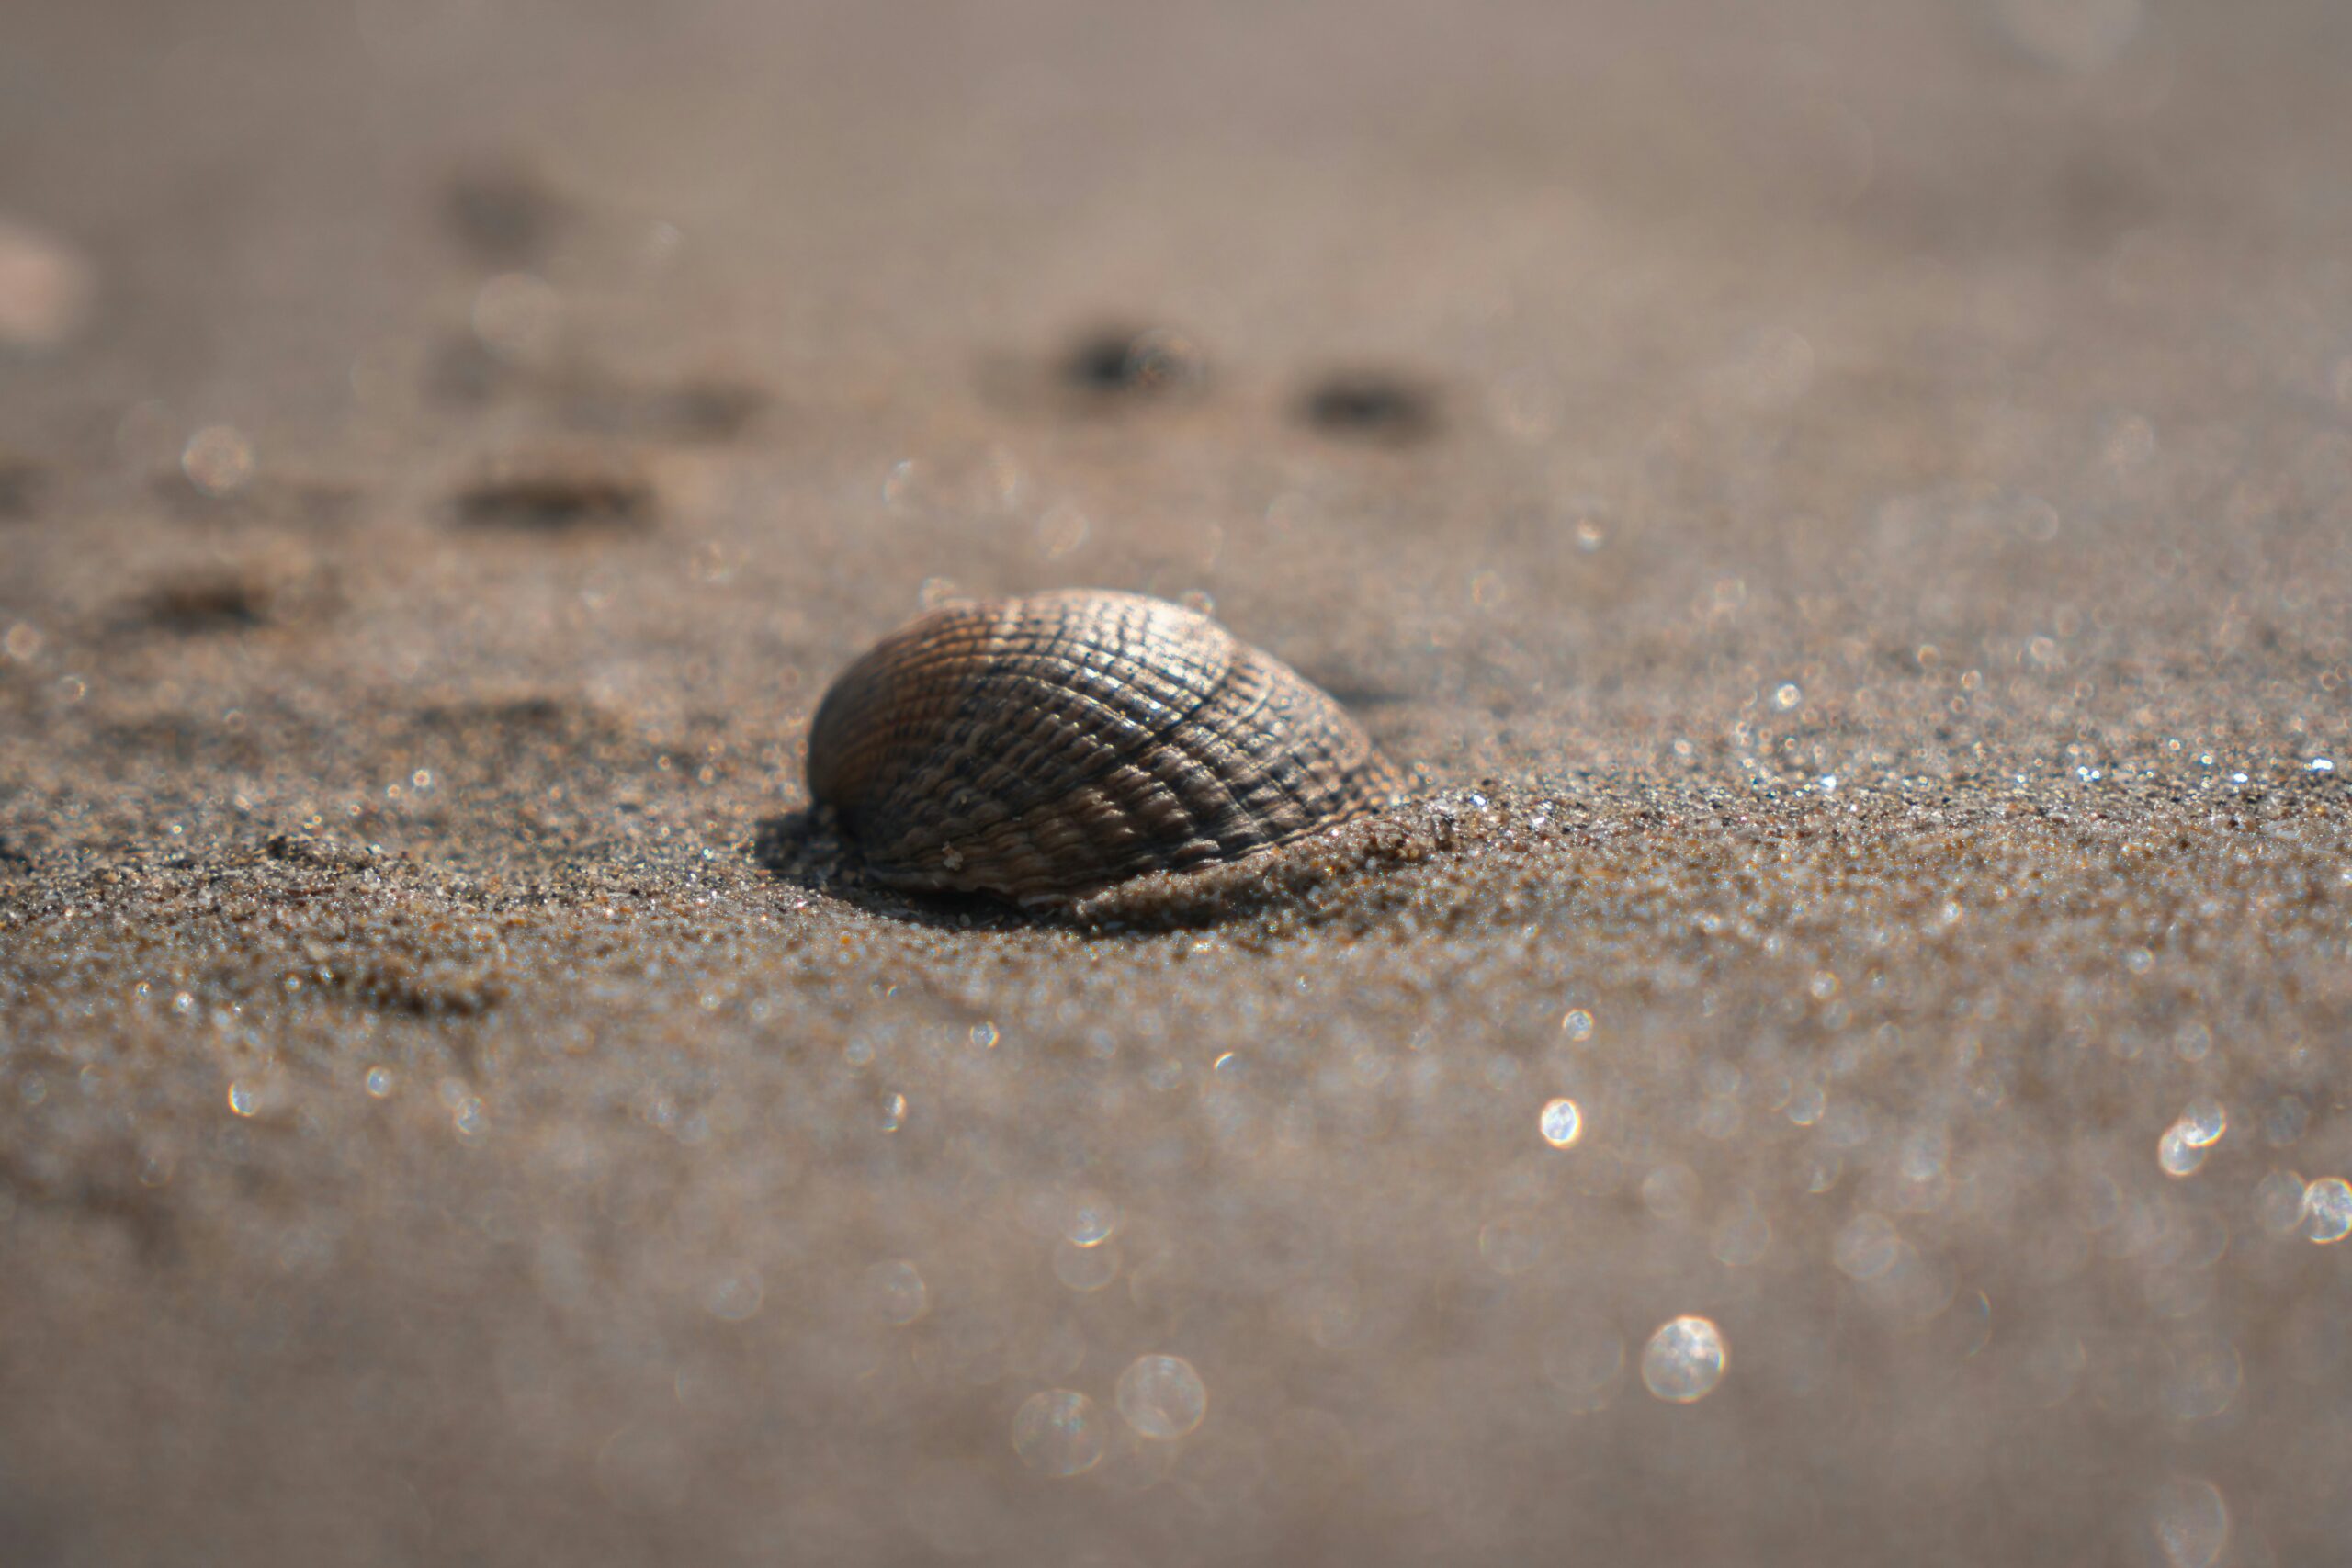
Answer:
[(1044, 747)]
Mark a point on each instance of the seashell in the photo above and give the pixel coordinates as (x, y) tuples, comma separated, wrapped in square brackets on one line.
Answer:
[(1042, 748)]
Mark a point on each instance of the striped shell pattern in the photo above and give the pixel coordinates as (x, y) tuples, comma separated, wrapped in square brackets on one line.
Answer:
[(1044, 747)]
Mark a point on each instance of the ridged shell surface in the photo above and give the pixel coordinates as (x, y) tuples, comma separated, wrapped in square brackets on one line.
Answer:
[(1042, 748)]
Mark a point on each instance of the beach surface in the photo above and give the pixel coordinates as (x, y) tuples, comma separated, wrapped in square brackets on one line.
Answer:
[(1843, 512)]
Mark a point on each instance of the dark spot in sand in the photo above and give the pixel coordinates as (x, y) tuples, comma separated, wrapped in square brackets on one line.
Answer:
[(326, 855), (503, 214), (702, 409), (21, 481), (217, 601), (558, 495), (1122, 363), (1370, 405)]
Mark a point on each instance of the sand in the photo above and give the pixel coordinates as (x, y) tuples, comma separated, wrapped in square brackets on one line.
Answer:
[(1842, 509)]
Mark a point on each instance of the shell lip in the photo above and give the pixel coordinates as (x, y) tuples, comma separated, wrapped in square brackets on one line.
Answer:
[(1063, 898)]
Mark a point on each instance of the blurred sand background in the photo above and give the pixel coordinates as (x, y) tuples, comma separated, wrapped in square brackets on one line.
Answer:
[(1842, 506)]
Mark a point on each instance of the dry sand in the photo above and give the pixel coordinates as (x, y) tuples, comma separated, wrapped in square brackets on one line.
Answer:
[(1843, 507)]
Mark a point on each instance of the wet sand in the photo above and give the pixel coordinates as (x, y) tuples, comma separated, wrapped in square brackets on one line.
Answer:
[(1842, 512)]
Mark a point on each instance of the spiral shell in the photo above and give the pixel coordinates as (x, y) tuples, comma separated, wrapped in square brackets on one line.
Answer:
[(1041, 748)]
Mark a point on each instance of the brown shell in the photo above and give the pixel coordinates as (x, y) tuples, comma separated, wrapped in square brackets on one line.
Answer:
[(1044, 747)]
